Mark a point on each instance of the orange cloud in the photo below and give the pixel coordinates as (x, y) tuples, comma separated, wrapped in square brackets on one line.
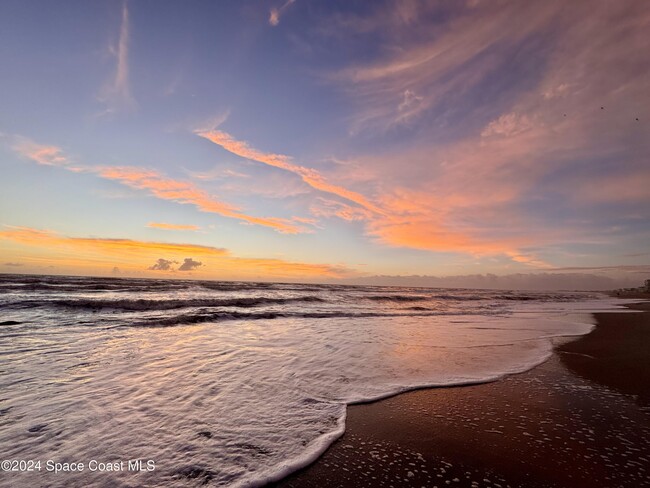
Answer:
[(529, 260), (310, 176), (164, 226), (426, 231), (274, 17), (87, 252), (549, 144), (414, 218), (280, 267), (184, 192), (47, 155), (152, 181), (44, 238)]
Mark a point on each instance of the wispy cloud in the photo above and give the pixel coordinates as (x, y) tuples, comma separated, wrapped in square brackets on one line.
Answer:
[(165, 226), (41, 154), (212, 123), (325, 207), (275, 13), (310, 176), (116, 93), (398, 217), (155, 183), (409, 106), (526, 167), (277, 186), (431, 66), (187, 193), (217, 173), (507, 125), (628, 186)]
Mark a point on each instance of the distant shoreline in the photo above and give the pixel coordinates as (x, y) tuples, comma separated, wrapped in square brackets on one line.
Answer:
[(623, 293)]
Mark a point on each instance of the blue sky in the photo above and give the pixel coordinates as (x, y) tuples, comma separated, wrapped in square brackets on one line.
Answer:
[(324, 140)]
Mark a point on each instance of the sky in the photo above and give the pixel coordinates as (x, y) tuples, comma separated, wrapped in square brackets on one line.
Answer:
[(307, 140)]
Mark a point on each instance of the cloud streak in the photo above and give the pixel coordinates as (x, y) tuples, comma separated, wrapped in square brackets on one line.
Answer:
[(84, 252), (155, 183), (165, 226), (275, 13), (116, 93), (44, 238), (39, 153), (401, 218), (529, 168), (187, 193), (310, 176), (430, 68)]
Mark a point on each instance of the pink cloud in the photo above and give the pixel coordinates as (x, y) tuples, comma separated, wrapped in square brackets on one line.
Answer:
[(275, 13), (310, 176), (42, 154), (631, 187), (426, 70), (155, 183), (412, 217), (187, 193)]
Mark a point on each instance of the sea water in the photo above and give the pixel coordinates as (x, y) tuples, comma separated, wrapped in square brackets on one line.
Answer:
[(237, 384)]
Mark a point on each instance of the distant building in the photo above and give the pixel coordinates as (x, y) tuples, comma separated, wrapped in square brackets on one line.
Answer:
[(647, 286)]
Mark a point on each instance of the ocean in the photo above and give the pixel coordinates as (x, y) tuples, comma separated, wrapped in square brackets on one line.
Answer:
[(237, 383)]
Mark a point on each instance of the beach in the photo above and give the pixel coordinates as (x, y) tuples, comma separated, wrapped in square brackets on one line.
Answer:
[(321, 244), (581, 419)]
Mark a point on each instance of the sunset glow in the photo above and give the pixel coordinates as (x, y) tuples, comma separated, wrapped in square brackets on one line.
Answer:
[(326, 140), (267, 243)]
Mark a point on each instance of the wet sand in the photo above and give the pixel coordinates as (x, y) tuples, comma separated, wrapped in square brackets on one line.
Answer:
[(581, 419)]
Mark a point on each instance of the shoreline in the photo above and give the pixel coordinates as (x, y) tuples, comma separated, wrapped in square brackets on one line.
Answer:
[(581, 402), (615, 354)]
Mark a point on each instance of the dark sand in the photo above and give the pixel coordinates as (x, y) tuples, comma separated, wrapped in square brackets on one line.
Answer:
[(579, 420)]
